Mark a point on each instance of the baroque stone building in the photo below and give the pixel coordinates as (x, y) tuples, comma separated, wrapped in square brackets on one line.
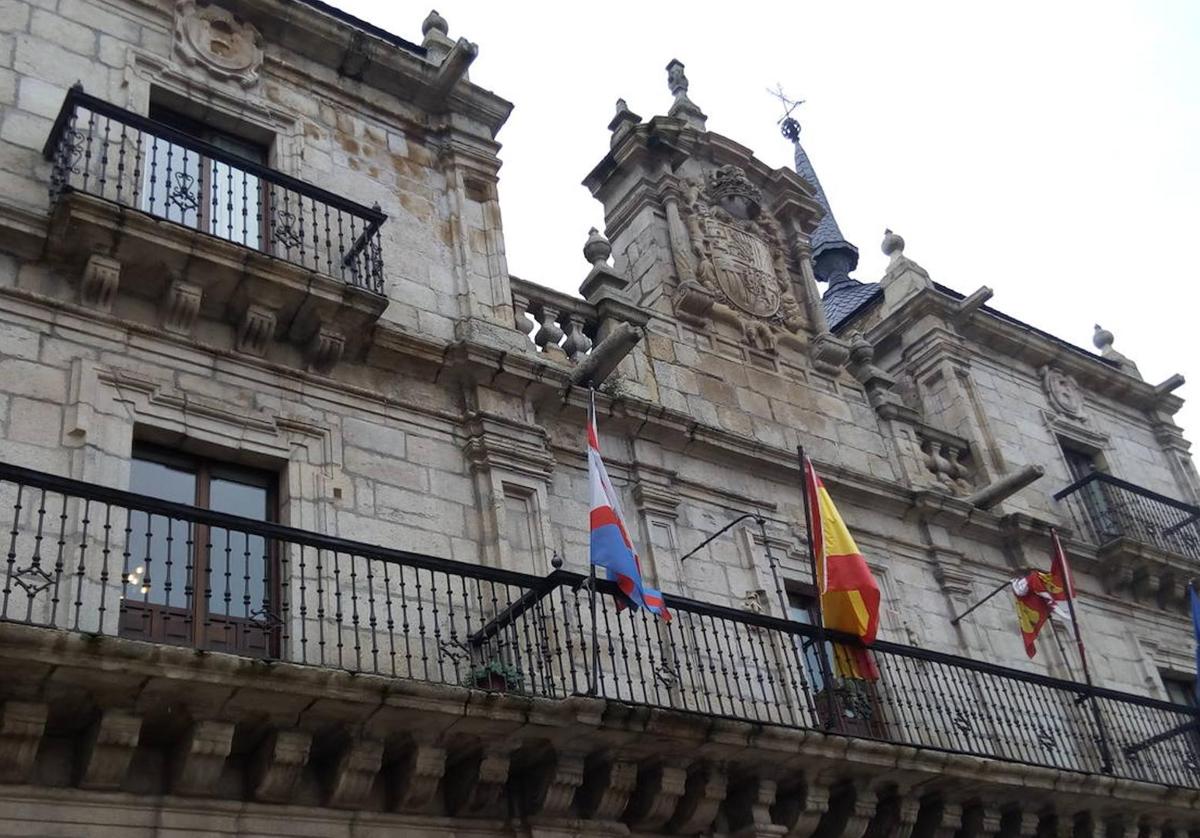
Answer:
[(294, 499)]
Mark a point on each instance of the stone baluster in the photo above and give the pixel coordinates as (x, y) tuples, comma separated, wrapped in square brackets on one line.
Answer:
[(549, 333), (521, 305), (577, 343)]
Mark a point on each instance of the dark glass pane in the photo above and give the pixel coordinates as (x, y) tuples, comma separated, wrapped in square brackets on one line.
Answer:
[(159, 555), (800, 609), (238, 560)]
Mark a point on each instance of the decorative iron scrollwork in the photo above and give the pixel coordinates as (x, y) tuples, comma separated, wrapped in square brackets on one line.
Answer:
[(182, 195), (961, 722), (286, 231), (265, 619), (1046, 738), (33, 579)]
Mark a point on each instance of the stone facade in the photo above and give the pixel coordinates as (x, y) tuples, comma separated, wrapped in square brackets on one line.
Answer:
[(445, 417)]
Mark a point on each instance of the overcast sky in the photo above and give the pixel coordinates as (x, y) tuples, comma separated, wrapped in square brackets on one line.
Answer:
[(1048, 150)]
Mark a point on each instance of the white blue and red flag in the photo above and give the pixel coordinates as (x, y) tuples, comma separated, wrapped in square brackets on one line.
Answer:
[(611, 546)]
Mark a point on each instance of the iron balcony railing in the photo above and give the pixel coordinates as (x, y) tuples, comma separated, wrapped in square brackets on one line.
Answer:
[(1104, 508), (91, 559), (105, 151)]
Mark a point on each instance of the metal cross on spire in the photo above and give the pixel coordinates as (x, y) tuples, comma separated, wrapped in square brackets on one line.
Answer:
[(788, 126)]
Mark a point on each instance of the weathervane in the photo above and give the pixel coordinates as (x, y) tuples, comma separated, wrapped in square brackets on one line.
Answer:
[(788, 126)]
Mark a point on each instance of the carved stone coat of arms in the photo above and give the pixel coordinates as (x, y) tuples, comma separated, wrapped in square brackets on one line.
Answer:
[(736, 257)]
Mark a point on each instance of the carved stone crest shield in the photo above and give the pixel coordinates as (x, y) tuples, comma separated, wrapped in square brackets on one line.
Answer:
[(744, 269), (736, 257)]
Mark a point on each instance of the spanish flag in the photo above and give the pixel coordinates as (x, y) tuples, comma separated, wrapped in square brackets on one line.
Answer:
[(849, 593)]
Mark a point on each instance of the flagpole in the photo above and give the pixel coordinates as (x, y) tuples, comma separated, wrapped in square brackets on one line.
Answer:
[(784, 611), (1105, 754), (594, 687), (954, 621), (823, 657)]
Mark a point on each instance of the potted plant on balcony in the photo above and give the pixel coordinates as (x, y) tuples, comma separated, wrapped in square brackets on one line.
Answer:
[(495, 676)]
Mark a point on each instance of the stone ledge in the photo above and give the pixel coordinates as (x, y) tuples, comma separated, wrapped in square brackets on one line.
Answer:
[(366, 729)]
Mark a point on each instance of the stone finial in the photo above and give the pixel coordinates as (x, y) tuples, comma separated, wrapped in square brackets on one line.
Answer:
[(435, 22), (1102, 339), (597, 248), (436, 42), (622, 121), (683, 107), (892, 246), (677, 80)]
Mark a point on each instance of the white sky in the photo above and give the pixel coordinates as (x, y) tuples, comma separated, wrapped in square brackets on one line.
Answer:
[(1049, 150)]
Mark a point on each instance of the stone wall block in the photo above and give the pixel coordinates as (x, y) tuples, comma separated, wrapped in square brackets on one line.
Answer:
[(353, 773), (200, 757), (277, 764), (22, 724), (607, 785), (107, 749)]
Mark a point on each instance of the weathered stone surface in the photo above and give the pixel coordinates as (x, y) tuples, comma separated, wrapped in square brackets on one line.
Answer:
[(108, 747), (200, 757), (277, 763), (21, 726)]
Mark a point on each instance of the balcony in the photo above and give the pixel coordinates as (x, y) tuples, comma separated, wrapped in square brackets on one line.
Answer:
[(92, 560), (1148, 544), (147, 207)]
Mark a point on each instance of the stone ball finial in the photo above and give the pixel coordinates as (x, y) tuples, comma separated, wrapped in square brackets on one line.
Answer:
[(893, 244), (1102, 339), (434, 22), (597, 248)]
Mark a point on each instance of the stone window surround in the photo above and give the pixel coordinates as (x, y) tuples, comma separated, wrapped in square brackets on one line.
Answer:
[(307, 455), (145, 73)]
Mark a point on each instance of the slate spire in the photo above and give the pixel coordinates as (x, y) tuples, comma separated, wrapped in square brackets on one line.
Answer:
[(833, 256)]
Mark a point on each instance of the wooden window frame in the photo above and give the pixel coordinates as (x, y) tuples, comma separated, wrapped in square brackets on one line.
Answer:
[(154, 622)]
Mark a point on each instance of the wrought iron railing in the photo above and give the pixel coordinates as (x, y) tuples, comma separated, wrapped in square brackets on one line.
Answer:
[(99, 149), (1104, 508), (85, 558)]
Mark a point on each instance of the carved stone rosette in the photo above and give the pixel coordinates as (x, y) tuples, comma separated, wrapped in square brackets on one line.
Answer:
[(730, 250)]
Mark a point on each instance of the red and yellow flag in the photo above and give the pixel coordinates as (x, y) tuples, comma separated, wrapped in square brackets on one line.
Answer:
[(849, 593), (1037, 593)]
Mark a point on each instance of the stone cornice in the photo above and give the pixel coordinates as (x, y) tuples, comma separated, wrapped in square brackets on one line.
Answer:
[(1022, 342), (326, 40)]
